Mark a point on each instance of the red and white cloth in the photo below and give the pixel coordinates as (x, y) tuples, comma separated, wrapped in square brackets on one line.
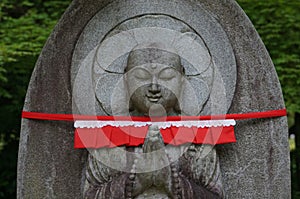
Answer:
[(97, 134)]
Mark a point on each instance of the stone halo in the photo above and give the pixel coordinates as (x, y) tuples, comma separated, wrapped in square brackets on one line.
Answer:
[(115, 63), (111, 57)]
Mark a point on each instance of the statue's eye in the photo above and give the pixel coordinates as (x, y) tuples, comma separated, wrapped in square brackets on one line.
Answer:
[(167, 74), (141, 74)]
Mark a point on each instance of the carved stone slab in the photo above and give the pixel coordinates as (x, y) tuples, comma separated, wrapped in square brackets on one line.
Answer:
[(257, 166)]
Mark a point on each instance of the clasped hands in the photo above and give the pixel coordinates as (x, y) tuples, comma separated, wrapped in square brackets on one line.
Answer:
[(153, 166)]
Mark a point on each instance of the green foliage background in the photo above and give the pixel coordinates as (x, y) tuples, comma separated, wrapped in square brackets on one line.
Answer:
[(278, 24), (24, 27), (26, 24)]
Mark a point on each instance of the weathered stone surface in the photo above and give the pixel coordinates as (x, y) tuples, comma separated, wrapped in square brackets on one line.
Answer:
[(257, 166)]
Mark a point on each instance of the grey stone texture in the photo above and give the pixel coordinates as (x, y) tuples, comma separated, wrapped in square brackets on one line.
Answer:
[(257, 166)]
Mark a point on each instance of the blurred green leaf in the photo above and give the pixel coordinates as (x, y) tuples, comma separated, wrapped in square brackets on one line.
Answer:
[(24, 27), (278, 23)]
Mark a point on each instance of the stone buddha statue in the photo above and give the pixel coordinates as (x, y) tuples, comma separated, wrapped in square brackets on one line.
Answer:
[(153, 82)]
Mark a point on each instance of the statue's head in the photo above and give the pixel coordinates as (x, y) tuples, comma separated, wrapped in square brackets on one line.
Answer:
[(154, 77)]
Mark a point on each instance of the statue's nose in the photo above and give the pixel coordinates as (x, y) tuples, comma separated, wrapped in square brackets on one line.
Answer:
[(154, 87)]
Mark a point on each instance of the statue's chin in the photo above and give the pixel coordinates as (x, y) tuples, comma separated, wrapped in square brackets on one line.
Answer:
[(157, 110), (153, 193)]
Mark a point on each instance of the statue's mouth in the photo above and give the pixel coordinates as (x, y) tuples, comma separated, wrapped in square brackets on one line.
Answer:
[(154, 98)]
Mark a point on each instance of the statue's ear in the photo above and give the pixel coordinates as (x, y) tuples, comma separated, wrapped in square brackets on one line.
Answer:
[(120, 98), (110, 87), (194, 95)]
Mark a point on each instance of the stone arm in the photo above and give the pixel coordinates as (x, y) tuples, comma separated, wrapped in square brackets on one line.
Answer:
[(199, 169), (192, 190), (103, 182)]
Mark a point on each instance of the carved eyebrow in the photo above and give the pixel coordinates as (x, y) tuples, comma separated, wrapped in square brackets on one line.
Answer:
[(166, 67), (170, 67), (139, 68)]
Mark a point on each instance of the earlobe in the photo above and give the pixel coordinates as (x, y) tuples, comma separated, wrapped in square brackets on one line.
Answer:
[(177, 109), (131, 107), (179, 105), (183, 70), (182, 79)]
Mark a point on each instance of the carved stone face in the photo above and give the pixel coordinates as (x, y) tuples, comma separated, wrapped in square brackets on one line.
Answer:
[(154, 79)]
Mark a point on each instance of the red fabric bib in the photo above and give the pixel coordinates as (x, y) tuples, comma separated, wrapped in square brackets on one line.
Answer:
[(110, 136)]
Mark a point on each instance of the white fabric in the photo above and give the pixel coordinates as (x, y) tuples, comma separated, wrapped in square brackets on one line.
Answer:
[(161, 125)]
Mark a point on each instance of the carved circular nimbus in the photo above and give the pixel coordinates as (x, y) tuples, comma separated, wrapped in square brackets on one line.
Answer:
[(107, 60), (98, 77), (110, 60)]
